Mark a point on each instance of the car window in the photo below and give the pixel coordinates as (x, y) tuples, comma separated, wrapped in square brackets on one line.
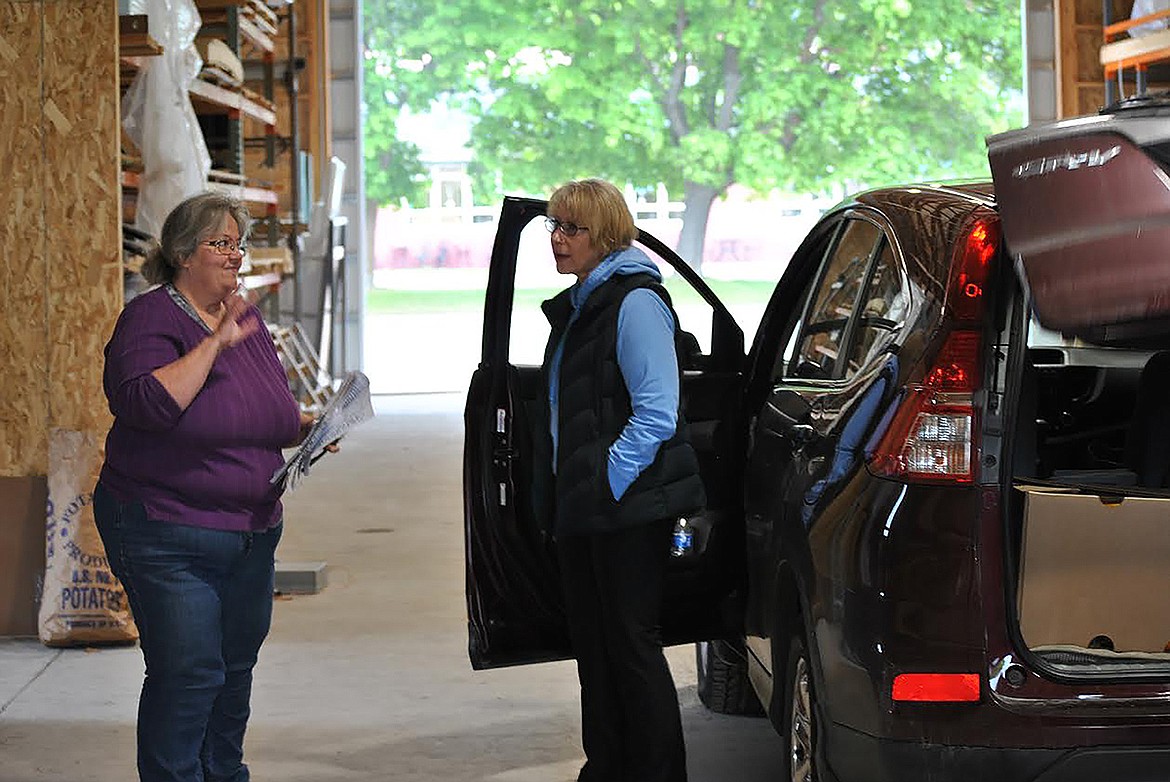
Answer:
[(835, 303), (785, 359), (781, 320), (883, 310), (537, 280)]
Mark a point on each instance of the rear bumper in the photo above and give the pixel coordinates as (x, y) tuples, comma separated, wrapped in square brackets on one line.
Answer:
[(858, 757)]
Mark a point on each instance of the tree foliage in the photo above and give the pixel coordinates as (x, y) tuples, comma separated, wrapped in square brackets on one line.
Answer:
[(393, 170), (804, 95)]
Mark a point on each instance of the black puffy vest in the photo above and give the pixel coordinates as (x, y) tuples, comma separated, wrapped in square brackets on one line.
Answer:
[(593, 408)]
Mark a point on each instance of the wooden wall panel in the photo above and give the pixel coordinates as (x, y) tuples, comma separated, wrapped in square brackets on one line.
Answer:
[(60, 258), (1088, 65), (313, 106), (24, 410), (320, 115), (312, 85), (83, 206), (1079, 35), (22, 556)]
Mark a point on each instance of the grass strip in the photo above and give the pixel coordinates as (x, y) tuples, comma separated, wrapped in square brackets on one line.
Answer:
[(381, 301)]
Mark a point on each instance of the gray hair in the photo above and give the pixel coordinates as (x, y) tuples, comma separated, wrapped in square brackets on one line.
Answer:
[(186, 226)]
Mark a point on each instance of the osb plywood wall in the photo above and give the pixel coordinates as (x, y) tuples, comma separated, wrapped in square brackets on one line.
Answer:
[(60, 241), (24, 407)]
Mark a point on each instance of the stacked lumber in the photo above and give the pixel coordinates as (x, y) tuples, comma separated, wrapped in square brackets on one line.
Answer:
[(217, 175), (261, 15), (256, 97), (134, 39), (218, 57), (255, 11), (266, 260), (131, 162), (212, 75)]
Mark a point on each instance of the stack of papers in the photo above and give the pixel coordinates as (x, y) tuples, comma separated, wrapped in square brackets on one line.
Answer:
[(349, 407)]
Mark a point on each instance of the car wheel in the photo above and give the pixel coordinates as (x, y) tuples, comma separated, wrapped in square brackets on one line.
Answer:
[(799, 715), (723, 679)]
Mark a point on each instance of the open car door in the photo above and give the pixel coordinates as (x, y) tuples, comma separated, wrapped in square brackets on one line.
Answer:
[(514, 605)]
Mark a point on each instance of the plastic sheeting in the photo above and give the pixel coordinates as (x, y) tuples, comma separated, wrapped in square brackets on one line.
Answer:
[(1145, 8), (158, 117)]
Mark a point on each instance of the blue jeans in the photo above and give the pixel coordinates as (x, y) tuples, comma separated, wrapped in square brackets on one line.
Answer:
[(202, 600)]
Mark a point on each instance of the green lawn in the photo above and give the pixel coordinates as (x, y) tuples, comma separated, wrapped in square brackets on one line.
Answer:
[(387, 302)]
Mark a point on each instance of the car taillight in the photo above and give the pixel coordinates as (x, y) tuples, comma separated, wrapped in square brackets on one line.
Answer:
[(932, 436), (936, 687), (970, 273)]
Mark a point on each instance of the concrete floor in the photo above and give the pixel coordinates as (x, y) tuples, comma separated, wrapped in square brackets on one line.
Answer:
[(369, 679)]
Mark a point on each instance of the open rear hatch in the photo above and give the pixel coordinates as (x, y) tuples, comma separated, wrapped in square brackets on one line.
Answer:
[(1085, 209), (1085, 205)]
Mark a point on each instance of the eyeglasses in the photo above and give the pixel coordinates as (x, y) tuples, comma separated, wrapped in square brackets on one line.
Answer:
[(227, 246), (568, 229)]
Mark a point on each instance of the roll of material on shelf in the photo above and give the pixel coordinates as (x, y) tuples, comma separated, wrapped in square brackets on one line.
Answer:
[(217, 54)]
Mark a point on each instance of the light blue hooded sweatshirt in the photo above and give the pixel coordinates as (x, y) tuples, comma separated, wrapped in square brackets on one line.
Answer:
[(647, 360)]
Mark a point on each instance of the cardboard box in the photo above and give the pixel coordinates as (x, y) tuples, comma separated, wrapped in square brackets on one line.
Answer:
[(1092, 566)]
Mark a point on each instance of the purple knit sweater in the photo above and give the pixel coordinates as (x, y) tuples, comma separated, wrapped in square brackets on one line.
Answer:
[(208, 465)]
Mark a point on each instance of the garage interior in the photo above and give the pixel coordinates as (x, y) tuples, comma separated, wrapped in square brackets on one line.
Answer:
[(366, 678)]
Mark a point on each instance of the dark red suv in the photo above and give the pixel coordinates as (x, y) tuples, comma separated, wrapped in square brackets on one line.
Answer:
[(937, 545)]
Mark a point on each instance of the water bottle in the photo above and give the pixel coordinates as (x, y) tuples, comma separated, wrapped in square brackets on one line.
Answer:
[(682, 544)]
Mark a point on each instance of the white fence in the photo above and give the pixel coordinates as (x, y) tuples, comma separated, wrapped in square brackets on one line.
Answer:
[(451, 246)]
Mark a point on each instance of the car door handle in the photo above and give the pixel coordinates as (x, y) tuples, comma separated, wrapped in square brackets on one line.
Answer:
[(815, 466), (801, 434)]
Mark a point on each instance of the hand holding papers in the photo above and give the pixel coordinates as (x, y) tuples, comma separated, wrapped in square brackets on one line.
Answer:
[(349, 407)]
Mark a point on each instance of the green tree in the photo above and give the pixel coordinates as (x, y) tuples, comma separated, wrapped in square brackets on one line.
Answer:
[(393, 171), (806, 95)]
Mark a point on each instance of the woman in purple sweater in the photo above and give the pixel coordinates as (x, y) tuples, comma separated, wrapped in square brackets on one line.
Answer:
[(184, 503)]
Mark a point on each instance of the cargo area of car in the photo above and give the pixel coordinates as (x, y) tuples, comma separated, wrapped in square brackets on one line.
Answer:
[(1086, 218), (1090, 513)]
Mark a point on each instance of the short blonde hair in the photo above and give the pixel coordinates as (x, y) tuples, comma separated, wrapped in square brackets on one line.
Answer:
[(185, 227), (599, 206)]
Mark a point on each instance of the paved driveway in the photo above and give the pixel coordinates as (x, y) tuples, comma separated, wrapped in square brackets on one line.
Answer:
[(367, 681)]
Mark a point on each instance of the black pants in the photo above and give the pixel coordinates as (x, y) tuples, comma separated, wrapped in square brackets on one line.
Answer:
[(630, 724)]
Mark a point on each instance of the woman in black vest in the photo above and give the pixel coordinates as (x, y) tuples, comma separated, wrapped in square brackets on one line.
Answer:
[(623, 473)]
